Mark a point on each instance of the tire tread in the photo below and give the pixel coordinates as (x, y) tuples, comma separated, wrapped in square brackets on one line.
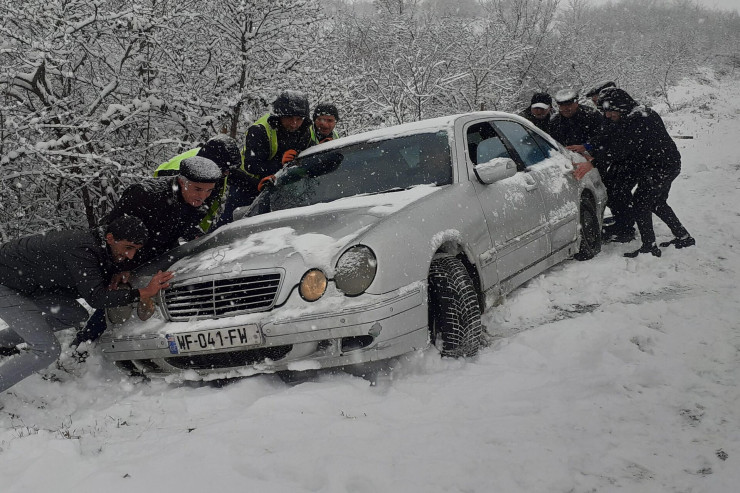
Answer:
[(454, 302)]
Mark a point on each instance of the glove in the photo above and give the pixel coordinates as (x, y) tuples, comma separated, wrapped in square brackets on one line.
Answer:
[(289, 156), (264, 181)]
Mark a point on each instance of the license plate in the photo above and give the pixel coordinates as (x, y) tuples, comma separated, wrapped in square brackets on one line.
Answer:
[(206, 340)]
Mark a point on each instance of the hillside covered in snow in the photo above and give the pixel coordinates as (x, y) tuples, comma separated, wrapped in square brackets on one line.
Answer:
[(610, 375)]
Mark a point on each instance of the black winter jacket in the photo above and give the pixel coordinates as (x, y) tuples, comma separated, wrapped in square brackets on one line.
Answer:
[(578, 129), (640, 141), (257, 159), (543, 124), (73, 263), (158, 203), (602, 144)]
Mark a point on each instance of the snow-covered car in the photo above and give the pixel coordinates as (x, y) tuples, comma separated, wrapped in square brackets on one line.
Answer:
[(369, 247)]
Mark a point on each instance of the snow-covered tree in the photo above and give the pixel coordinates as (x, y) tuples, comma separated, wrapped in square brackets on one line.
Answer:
[(94, 94), (62, 63)]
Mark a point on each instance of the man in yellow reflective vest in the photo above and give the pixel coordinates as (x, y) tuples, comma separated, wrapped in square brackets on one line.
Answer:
[(325, 118), (272, 141)]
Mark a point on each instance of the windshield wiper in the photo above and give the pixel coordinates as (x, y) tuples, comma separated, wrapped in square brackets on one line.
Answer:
[(387, 190)]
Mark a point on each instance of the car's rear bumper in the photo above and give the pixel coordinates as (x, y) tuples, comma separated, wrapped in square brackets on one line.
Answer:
[(384, 327)]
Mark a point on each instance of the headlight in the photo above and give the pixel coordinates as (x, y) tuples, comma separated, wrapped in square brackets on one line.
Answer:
[(313, 285), (356, 270), (119, 314)]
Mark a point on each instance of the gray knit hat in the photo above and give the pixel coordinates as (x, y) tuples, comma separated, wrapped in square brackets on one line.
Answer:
[(200, 170)]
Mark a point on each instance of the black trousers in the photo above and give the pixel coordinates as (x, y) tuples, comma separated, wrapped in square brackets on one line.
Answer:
[(619, 181), (651, 197), (241, 192)]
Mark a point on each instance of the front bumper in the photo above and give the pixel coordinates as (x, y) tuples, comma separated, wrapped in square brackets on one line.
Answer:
[(374, 328)]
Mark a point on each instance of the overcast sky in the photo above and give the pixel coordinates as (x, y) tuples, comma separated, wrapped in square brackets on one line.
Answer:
[(722, 4)]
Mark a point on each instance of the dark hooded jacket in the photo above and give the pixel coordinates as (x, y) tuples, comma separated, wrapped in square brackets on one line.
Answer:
[(74, 263), (639, 140), (159, 204)]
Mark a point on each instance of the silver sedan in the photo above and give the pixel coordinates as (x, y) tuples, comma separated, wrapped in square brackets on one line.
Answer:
[(369, 247)]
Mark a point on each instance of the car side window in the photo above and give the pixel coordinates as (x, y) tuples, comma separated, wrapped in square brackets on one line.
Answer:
[(545, 146), (523, 142), (484, 144)]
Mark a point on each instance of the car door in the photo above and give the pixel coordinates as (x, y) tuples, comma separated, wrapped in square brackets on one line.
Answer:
[(553, 173), (513, 207)]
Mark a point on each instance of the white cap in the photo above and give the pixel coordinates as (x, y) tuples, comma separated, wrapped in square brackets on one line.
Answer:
[(564, 95), (544, 106)]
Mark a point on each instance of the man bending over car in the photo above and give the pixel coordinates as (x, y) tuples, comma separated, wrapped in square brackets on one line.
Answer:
[(42, 277)]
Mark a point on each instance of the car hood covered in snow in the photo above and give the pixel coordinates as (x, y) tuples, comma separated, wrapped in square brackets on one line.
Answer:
[(316, 234)]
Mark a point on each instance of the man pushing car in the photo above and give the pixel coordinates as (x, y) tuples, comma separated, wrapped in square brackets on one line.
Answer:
[(41, 278)]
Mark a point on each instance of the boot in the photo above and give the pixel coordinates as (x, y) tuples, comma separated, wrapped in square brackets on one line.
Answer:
[(9, 351), (682, 242), (649, 248), (624, 237), (617, 235), (609, 229)]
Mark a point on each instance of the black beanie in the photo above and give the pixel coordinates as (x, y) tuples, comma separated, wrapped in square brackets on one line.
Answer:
[(291, 103), (326, 109), (200, 170), (615, 99), (128, 228), (595, 90), (222, 150)]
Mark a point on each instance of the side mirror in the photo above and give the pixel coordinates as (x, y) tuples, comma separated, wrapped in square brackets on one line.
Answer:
[(496, 169)]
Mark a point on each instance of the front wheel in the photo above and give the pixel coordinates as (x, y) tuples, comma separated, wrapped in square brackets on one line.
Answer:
[(590, 231), (454, 312)]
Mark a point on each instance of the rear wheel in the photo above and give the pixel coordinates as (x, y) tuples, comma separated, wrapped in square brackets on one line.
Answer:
[(454, 312), (590, 231)]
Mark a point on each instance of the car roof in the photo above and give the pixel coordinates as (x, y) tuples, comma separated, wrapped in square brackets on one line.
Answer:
[(442, 123)]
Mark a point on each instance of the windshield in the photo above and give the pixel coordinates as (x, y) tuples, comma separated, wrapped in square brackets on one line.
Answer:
[(364, 168)]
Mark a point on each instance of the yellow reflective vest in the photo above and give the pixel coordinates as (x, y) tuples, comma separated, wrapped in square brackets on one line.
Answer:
[(172, 167), (315, 139)]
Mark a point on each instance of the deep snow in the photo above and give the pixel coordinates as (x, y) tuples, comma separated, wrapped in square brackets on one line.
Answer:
[(611, 375)]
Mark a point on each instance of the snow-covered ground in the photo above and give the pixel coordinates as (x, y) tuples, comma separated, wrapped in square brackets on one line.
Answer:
[(611, 375)]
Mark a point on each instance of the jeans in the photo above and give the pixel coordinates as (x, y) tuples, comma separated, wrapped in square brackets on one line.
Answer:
[(94, 328), (33, 320)]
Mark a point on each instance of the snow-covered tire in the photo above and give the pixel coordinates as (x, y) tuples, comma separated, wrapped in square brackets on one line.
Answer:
[(454, 311), (590, 231)]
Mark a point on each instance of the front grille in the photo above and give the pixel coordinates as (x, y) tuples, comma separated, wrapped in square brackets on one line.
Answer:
[(228, 360), (222, 297)]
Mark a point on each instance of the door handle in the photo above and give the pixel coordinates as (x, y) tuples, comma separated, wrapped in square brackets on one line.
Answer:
[(529, 184)]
